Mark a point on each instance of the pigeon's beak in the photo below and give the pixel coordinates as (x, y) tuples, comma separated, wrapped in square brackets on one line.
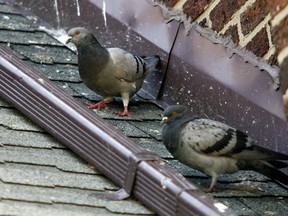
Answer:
[(68, 40), (164, 120)]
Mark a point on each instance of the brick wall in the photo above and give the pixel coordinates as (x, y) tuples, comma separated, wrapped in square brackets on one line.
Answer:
[(279, 23), (246, 21), (260, 26)]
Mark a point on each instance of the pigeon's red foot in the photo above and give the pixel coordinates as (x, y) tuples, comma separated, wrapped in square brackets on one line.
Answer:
[(98, 106), (208, 190), (124, 113), (211, 187)]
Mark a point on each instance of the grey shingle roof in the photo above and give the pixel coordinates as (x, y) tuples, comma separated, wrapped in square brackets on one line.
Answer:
[(37, 172), (41, 176)]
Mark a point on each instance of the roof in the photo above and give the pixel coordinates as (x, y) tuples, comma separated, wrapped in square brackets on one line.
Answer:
[(39, 174)]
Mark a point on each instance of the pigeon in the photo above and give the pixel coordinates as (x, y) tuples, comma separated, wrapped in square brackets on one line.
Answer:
[(109, 71), (215, 148)]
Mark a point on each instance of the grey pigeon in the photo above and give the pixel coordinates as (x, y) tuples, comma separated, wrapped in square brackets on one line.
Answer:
[(109, 72), (215, 148)]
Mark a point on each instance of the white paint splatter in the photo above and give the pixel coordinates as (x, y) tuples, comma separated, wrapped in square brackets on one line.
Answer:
[(78, 7), (65, 86), (6, 17), (221, 207), (164, 182), (60, 34), (41, 80), (104, 13), (57, 12)]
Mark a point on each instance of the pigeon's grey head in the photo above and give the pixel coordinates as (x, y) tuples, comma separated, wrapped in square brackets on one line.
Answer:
[(173, 113), (78, 35)]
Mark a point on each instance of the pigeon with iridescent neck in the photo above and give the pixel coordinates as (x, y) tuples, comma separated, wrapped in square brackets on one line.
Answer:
[(109, 71)]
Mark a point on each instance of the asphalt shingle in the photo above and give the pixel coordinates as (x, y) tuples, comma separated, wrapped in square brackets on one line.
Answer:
[(11, 22), (71, 198), (20, 37), (62, 159), (28, 139), (45, 54), (32, 209), (12, 119), (59, 72), (51, 177)]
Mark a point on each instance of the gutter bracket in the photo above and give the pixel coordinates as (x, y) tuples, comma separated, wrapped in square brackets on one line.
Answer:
[(126, 190)]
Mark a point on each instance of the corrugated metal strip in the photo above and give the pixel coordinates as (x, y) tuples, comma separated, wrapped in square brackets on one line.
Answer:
[(171, 194)]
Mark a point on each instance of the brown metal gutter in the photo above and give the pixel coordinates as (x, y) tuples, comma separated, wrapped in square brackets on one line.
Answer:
[(112, 153)]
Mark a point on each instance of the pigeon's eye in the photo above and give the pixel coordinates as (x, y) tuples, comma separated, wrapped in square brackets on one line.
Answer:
[(77, 32), (174, 113)]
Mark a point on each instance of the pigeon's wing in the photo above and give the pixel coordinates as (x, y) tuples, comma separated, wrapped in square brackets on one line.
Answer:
[(214, 138), (127, 67)]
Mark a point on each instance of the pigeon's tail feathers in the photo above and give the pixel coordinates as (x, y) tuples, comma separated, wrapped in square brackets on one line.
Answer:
[(269, 169), (278, 164), (267, 154), (152, 63)]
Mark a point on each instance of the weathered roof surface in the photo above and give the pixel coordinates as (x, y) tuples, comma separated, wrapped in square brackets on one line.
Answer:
[(41, 176)]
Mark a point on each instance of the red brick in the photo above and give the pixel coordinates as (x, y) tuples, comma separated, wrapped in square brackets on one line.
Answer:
[(259, 45), (223, 12), (233, 32), (276, 6), (170, 3), (253, 16), (194, 8)]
